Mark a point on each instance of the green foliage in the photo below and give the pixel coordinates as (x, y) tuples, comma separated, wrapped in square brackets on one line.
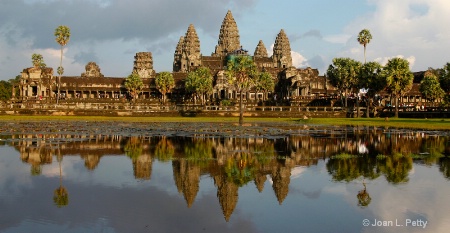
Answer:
[(61, 197), (241, 73), (200, 81), (399, 78), (62, 34), (5, 90), (164, 150), (343, 74), (430, 87), (371, 78), (38, 61), (364, 38), (264, 82), (133, 148), (444, 80), (164, 83), (134, 85), (60, 70)]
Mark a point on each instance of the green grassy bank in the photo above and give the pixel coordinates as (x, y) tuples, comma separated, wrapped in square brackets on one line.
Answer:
[(435, 124)]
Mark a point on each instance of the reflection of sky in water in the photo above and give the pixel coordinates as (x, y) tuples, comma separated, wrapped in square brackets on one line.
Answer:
[(110, 199)]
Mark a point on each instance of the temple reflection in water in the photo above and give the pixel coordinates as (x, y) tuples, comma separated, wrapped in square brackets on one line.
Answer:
[(233, 162)]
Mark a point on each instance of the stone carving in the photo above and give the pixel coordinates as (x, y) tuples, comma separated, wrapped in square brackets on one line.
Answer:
[(143, 64), (260, 50), (229, 39), (92, 70), (282, 51)]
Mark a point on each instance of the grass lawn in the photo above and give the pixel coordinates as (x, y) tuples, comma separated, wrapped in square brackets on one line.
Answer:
[(435, 124)]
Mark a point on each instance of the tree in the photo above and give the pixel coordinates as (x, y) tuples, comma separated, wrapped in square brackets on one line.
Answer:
[(371, 79), (5, 90), (134, 85), (364, 38), (38, 61), (399, 78), (343, 74), (444, 80), (199, 82), (264, 83), (62, 34), (241, 73), (430, 86), (164, 83)]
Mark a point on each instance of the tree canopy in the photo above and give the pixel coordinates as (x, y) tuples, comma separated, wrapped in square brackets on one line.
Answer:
[(134, 85), (164, 83), (430, 86), (242, 74), (343, 74), (264, 82), (199, 82), (399, 78), (38, 61)]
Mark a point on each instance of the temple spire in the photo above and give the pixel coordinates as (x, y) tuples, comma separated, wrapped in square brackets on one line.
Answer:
[(282, 51), (260, 50), (229, 39)]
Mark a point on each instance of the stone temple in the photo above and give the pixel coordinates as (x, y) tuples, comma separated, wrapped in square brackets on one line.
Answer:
[(291, 82)]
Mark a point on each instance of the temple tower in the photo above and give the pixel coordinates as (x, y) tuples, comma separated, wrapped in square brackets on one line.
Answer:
[(191, 56), (178, 55), (260, 50), (229, 40), (143, 64), (91, 70), (282, 51)]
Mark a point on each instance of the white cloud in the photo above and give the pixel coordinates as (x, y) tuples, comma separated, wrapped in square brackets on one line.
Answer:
[(415, 28), (298, 60)]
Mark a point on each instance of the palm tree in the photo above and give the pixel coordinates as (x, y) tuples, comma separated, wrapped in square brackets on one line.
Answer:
[(38, 61), (399, 78), (364, 38), (62, 34), (60, 195), (241, 73)]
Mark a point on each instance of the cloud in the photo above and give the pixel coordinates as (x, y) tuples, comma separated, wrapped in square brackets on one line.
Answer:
[(414, 29), (311, 33), (298, 60)]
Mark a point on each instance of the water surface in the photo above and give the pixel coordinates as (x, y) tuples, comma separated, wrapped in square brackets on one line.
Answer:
[(309, 180)]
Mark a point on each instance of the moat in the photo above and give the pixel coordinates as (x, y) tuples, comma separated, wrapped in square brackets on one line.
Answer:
[(79, 176)]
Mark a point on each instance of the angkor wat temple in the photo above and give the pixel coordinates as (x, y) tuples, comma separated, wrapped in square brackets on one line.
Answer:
[(291, 82), (293, 86)]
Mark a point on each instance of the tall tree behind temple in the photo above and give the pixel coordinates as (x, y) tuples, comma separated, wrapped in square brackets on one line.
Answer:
[(241, 73), (370, 78), (62, 34), (343, 74), (399, 78), (444, 80), (164, 83), (134, 85), (430, 86)]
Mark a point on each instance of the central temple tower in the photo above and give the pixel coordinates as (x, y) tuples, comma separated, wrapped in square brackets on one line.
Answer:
[(229, 40)]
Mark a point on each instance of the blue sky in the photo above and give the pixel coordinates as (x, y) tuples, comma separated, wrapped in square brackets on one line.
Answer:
[(110, 32)]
